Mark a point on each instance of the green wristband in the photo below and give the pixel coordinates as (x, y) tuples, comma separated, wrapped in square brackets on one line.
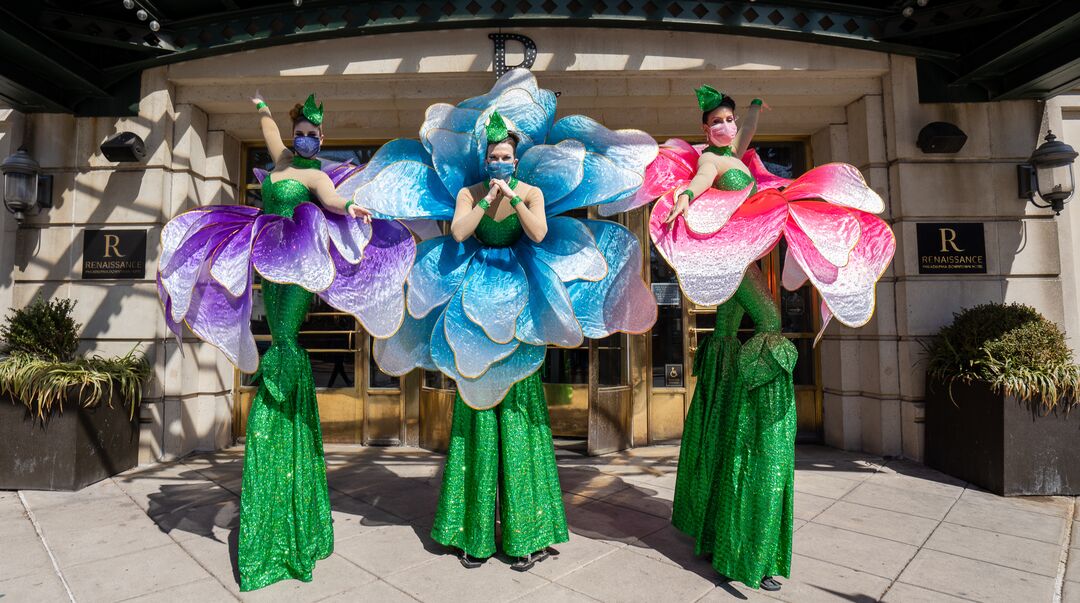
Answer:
[(756, 101), (348, 203), (689, 195), (514, 202), (259, 106), (484, 204)]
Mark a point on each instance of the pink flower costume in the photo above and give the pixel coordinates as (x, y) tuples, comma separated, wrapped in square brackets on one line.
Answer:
[(735, 484)]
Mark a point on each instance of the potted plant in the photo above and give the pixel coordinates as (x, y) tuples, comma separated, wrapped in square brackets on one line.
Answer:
[(66, 421), (1000, 384)]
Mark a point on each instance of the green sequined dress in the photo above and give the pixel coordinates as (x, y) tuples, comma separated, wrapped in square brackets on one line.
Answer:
[(734, 491), (501, 457), (284, 504)]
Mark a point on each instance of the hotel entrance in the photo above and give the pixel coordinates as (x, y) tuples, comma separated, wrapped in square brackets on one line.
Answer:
[(603, 396)]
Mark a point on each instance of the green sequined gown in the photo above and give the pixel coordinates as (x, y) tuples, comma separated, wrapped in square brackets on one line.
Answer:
[(502, 454), (734, 492), (284, 504)]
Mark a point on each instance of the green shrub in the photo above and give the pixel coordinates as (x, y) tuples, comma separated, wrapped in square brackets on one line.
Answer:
[(44, 329), (41, 370), (1010, 346)]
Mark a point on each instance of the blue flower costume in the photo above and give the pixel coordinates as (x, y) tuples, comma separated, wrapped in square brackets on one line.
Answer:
[(483, 311)]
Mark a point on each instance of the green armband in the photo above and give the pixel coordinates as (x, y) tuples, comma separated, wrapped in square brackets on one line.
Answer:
[(484, 204), (259, 106), (756, 101), (349, 203), (515, 201), (689, 195)]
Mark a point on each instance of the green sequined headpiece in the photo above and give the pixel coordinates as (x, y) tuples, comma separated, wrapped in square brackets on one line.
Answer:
[(708, 98), (496, 128), (312, 113)]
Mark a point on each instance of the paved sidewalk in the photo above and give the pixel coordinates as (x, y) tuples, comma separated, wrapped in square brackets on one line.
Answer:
[(868, 529)]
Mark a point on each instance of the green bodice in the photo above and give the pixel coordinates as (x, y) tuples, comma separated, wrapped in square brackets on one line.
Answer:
[(499, 233), (282, 196), (733, 179)]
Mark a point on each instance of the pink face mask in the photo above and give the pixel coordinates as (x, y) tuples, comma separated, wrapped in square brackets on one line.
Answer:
[(721, 134)]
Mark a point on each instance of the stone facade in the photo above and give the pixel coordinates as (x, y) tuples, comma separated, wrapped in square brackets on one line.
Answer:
[(854, 106)]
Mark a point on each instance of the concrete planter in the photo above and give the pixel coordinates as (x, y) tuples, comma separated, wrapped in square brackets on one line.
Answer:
[(70, 451), (999, 443)]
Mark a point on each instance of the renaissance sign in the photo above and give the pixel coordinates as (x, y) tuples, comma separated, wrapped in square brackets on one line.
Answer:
[(109, 254), (951, 248)]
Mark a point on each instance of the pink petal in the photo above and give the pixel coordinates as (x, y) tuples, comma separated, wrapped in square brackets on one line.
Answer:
[(837, 183), (710, 267), (826, 316), (710, 211), (793, 276), (764, 178), (833, 229), (851, 295), (803, 250)]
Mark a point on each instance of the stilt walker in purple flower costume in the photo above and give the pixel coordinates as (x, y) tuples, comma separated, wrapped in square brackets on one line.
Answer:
[(512, 278), (331, 248), (715, 216)]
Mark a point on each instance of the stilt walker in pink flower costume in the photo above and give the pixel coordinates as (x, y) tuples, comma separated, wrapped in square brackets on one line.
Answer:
[(714, 218), (310, 238)]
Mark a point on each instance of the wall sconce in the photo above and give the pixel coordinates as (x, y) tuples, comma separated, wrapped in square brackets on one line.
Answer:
[(26, 189), (941, 137), (1048, 173)]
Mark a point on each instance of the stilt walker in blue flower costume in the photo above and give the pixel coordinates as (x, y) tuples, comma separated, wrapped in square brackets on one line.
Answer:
[(512, 278), (300, 249)]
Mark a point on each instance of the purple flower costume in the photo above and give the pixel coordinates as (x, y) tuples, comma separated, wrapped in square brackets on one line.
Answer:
[(205, 281)]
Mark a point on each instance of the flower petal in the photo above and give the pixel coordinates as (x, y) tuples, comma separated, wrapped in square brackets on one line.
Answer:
[(620, 302), (518, 97), (488, 390), (833, 229), (806, 254), (710, 211), (495, 292), (548, 318), (409, 347), (711, 267), (556, 169), (224, 321), (851, 295), (762, 176), (230, 262), (400, 182), (374, 290), (349, 235), (294, 251), (569, 249), (474, 351), (457, 152), (674, 166), (441, 264), (837, 183)]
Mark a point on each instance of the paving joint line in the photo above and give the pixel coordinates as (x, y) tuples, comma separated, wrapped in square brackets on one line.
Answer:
[(44, 543), (1063, 559)]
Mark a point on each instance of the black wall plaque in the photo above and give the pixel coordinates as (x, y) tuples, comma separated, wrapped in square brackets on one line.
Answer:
[(673, 375), (951, 247), (114, 254)]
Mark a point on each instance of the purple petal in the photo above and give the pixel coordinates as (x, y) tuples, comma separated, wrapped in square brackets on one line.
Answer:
[(374, 290), (294, 251), (230, 262), (348, 235), (224, 321)]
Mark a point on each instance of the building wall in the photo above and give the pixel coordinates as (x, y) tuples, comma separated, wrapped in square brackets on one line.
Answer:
[(854, 106)]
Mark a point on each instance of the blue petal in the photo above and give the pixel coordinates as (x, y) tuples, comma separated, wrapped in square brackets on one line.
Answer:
[(518, 97), (441, 264), (621, 301), (489, 389), (614, 164), (449, 134), (569, 249), (556, 169), (549, 316), (473, 351), (495, 292), (400, 182), (409, 347)]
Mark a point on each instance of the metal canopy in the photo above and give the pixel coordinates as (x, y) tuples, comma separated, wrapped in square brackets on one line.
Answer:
[(85, 56)]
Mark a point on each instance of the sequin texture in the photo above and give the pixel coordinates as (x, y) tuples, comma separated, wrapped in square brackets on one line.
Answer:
[(734, 491), (503, 453), (285, 524)]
